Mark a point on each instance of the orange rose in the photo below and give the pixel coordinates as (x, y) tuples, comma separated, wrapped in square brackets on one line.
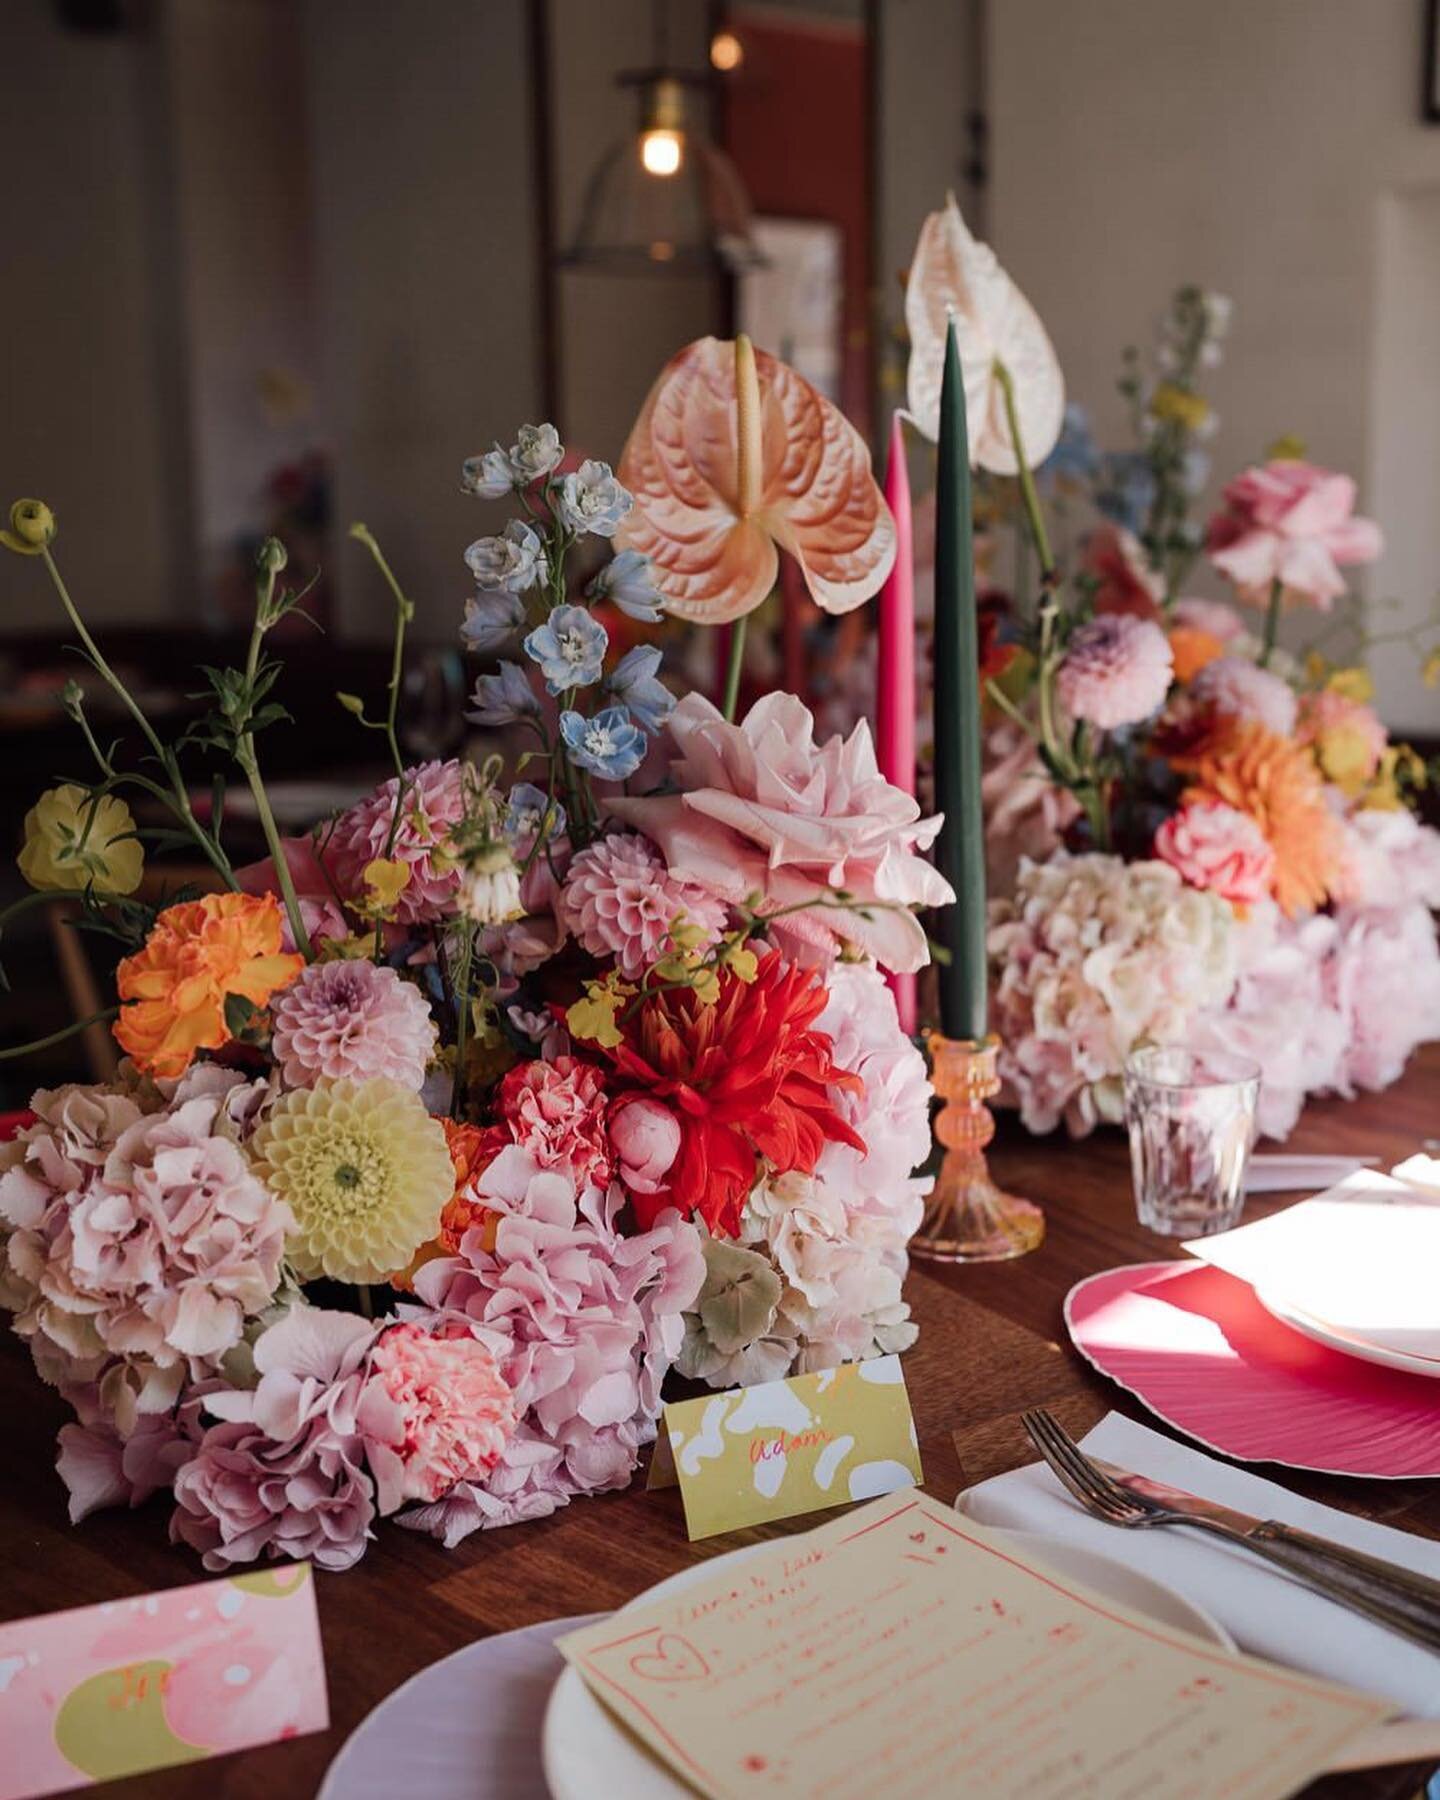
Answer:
[(197, 955)]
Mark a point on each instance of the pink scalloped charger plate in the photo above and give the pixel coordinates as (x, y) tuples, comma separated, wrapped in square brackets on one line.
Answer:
[(1197, 1347)]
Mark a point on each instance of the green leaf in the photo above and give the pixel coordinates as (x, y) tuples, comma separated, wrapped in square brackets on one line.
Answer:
[(239, 1014)]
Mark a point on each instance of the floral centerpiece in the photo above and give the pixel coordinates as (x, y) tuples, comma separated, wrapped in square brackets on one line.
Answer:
[(444, 1133), (1194, 835)]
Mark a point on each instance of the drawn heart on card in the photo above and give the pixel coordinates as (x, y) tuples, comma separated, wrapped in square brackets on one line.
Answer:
[(917, 1537), (674, 1658)]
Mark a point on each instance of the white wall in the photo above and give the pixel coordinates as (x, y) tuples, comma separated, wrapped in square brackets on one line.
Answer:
[(1252, 145)]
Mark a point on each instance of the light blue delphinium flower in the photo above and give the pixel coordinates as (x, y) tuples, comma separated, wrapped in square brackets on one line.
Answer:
[(536, 451), (1075, 459), (628, 580), (526, 809), (592, 500), (513, 561), (633, 682), (488, 476), (569, 647), (1127, 489), (610, 745), (504, 698), (491, 620)]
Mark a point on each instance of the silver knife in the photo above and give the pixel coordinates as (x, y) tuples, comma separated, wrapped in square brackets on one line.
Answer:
[(1420, 1593)]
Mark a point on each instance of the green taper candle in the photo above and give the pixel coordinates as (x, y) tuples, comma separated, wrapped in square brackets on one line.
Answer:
[(960, 851)]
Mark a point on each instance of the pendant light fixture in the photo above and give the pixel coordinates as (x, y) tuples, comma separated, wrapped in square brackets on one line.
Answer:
[(665, 199)]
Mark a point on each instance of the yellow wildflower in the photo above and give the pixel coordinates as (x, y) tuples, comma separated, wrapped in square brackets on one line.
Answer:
[(1354, 684), (741, 961), (1288, 448), (73, 841), (595, 1017), (1178, 406), (385, 878)]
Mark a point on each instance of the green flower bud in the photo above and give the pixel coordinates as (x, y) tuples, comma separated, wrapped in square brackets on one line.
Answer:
[(352, 704), (32, 527), (271, 557)]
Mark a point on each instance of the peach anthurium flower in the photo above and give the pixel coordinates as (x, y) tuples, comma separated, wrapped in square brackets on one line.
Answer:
[(997, 328), (733, 455)]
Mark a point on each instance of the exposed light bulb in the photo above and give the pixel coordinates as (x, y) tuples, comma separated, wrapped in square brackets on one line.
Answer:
[(662, 151), (726, 52)]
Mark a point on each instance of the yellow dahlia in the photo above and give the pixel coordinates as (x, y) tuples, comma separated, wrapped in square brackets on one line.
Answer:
[(365, 1170), (1274, 780)]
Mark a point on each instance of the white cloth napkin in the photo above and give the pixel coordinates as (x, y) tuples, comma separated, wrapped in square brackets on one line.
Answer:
[(1265, 1612)]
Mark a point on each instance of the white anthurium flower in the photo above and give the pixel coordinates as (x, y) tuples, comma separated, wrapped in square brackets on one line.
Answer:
[(994, 324)]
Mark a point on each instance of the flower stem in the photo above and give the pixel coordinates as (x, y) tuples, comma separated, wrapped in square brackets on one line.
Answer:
[(58, 1037), (1028, 494), (733, 668), (462, 1027), (177, 799), (250, 767), (404, 613), (1272, 623)]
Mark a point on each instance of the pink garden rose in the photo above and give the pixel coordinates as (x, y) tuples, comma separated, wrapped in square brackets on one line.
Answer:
[(646, 1140), (433, 1411), (1116, 671), (556, 1112), (320, 911), (1293, 523), (764, 809), (1220, 849)]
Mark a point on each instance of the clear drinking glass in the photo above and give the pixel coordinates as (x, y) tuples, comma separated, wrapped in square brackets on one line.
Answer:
[(1191, 1115)]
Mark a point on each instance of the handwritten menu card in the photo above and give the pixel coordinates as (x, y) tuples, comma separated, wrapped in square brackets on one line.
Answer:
[(903, 1651)]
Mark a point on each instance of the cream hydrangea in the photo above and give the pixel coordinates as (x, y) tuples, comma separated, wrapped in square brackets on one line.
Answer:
[(1091, 957), (366, 1173)]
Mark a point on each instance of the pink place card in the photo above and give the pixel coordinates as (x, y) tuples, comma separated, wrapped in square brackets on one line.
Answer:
[(109, 1690)]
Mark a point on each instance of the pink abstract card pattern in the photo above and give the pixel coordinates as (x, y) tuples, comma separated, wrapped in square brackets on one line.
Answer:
[(109, 1690)]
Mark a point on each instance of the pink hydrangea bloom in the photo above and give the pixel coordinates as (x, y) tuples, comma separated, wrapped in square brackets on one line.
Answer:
[(282, 1474), (1390, 859), (1293, 523), (156, 1244), (620, 900), (433, 1411), (1384, 977), (351, 1020), (1220, 849), (764, 809), (1242, 690), (645, 1138), (1213, 617), (1116, 559), (556, 1113), (434, 801), (1116, 671), (594, 1320)]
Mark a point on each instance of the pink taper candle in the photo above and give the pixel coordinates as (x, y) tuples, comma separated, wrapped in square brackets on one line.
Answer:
[(895, 686)]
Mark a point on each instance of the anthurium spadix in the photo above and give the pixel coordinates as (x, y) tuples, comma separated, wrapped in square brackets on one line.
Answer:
[(999, 335), (734, 454)]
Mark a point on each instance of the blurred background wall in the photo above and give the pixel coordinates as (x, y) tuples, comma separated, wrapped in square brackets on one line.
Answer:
[(307, 242)]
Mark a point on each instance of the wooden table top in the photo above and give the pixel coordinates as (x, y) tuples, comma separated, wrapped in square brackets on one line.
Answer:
[(991, 1343)]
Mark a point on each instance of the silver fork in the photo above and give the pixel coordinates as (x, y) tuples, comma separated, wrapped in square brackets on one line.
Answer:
[(1105, 1499)]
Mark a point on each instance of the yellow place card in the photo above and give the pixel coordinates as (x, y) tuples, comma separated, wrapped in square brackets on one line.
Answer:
[(903, 1651), (786, 1447)]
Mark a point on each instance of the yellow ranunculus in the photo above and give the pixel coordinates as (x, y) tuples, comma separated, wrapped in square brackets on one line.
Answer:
[(1353, 683), (74, 842), (1179, 406)]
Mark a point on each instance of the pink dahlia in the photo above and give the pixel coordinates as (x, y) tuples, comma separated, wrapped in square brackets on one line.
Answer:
[(763, 809), (1219, 849), (350, 1020), (1292, 523), (620, 900), (1116, 671), (434, 1410), (434, 801), (556, 1112), (1242, 690), (1125, 582)]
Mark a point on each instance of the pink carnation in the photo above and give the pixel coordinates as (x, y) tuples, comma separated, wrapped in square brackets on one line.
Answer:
[(1220, 849), (1242, 690), (434, 1410), (620, 900), (349, 1020), (434, 801), (1116, 671), (762, 808), (556, 1112), (1293, 523)]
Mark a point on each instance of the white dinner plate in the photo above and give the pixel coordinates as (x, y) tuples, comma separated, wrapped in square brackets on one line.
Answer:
[(1346, 1340), (589, 1755)]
